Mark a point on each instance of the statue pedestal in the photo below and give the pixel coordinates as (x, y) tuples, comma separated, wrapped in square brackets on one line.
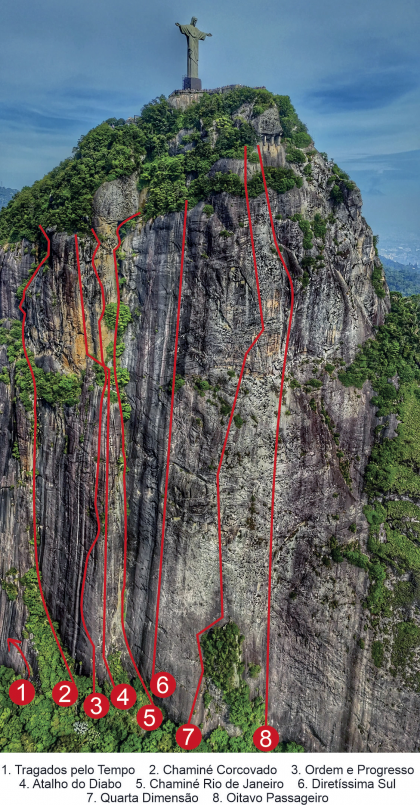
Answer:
[(191, 83)]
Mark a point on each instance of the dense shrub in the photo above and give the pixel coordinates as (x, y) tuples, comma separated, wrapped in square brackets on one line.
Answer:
[(319, 226), (305, 227), (295, 155)]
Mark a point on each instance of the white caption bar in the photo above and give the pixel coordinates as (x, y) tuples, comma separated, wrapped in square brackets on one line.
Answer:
[(207, 779)]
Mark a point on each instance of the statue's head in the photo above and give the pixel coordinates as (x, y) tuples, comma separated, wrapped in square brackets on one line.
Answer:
[(193, 20)]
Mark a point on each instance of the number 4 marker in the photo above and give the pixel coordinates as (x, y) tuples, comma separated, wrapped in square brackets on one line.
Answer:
[(123, 696)]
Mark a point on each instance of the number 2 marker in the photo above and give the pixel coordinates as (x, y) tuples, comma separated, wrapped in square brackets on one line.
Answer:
[(65, 694)]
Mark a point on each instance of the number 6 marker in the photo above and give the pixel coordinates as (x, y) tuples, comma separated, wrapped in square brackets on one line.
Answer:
[(266, 738), (162, 684), (149, 717), (188, 736)]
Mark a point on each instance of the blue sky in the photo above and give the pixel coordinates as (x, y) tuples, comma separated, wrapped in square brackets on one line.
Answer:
[(350, 68)]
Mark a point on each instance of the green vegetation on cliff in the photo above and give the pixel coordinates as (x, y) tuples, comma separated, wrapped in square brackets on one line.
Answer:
[(63, 198), (391, 361), (42, 726), (52, 387)]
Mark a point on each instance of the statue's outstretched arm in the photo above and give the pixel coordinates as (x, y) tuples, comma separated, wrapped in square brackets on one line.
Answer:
[(177, 23), (209, 34)]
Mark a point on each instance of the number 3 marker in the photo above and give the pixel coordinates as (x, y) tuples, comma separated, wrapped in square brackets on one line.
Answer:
[(266, 738), (65, 694), (96, 705), (21, 691), (162, 685), (149, 717), (188, 736)]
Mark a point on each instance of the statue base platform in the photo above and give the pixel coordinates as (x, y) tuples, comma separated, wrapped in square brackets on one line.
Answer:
[(193, 84)]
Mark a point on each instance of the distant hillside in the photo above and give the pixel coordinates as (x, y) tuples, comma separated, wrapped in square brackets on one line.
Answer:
[(405, 279), (6, 193)]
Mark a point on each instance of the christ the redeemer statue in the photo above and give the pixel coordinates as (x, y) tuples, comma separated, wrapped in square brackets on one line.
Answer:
[(193, 35)]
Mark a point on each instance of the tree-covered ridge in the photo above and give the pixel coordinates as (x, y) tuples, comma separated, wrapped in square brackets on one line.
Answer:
[(391, 361), (63, 198), (42, 726)]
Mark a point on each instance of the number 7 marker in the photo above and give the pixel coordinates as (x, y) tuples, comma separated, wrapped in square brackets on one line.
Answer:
[(188, 736)]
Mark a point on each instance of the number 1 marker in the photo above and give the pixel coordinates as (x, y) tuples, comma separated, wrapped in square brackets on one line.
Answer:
[(21, 691)]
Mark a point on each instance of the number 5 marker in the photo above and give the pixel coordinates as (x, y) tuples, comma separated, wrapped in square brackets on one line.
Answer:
[(149, 717)]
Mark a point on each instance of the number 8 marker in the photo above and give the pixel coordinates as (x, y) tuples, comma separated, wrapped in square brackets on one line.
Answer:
[(188, 736), (149, 717), (162, 685), (266, 738)]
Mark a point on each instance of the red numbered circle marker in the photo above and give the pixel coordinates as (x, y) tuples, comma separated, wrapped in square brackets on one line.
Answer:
[(266, 738), (123, 696), (188, 737), (21, 691), (96, 705), (65, 694), (162, 684), (149, 717)]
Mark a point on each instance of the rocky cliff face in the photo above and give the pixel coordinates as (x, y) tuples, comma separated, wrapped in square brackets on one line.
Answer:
[(324, 690)]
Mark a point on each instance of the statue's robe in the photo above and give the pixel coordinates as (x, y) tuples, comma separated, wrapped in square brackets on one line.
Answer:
[(194, 35)]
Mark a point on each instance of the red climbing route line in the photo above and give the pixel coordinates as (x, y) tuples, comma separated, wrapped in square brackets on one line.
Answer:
[(219, 522), (124, 456), (273, 491), (168, 453), (17, 644), (34, 455), (108, 421), (106, 384)]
